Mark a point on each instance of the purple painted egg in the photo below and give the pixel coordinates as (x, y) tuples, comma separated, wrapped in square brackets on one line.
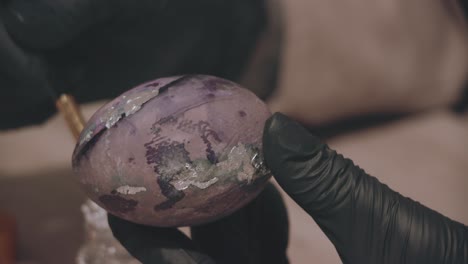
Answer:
[(176, 151)]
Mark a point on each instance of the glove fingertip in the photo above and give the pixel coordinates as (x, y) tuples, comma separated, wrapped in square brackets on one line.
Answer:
[(286, 141)]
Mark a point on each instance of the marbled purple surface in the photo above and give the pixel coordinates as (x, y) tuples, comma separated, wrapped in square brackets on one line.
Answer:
[(175, 151)]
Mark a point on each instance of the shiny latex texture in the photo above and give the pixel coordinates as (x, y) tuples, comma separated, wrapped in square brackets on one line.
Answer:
[(98, 49), (256, 234), (366, 221)]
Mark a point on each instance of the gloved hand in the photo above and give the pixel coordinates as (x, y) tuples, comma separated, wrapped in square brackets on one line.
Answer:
[(365, 220), (22, 84), (96, 49), (256, 234)]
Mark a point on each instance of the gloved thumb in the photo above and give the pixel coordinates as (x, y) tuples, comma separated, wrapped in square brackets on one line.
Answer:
[(301, 163), (365, 220), (345, 202)]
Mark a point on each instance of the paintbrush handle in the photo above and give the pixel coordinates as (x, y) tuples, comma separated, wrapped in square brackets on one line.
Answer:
[(67, 105)]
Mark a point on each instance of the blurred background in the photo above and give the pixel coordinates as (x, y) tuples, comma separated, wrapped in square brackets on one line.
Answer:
[(377, 80)]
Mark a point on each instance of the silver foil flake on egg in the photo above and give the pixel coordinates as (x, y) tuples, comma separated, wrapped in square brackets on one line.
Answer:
[(125, 108), (87, 134), (243, 161), (128, 107)]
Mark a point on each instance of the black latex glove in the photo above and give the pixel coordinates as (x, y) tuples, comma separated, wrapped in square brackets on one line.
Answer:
[(365, 220), (22, 83), (256, 234), (96, 49)]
